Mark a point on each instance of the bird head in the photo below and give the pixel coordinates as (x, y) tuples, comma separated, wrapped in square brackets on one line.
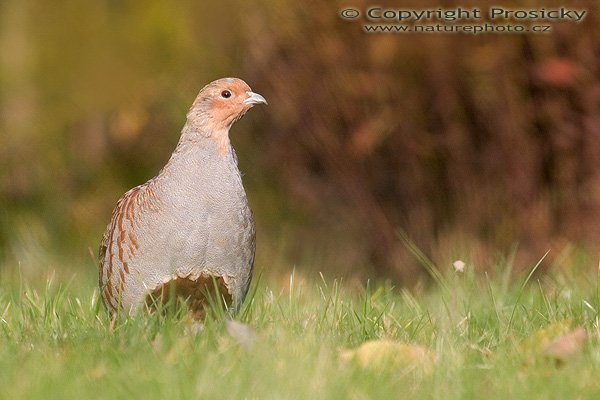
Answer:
[(221, 103)]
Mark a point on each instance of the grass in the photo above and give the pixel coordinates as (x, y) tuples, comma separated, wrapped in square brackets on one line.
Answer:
[(485, 338)]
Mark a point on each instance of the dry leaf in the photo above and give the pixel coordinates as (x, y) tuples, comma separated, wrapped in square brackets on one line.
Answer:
[(537, 342), (389, 353), (558, 341), (99, 371), (243, 334), (564, 347)]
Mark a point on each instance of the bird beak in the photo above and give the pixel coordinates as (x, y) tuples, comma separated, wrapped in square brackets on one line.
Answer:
[(254, 98)]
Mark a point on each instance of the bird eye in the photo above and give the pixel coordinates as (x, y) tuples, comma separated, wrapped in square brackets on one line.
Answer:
[(226, 94)]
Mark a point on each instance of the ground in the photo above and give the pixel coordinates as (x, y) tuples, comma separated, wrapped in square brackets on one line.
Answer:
[(466, 335)]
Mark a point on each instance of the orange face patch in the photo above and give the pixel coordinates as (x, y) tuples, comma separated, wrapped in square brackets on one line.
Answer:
[(224, 102), (218, 105)]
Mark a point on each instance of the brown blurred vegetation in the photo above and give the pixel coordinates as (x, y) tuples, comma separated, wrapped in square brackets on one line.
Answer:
[(471, 144)]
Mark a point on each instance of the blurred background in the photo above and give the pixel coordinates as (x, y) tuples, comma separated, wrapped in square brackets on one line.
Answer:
[(477, 147)]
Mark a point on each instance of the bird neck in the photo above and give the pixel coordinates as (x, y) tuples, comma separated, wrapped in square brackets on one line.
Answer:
[(200, 153), (197, 134)]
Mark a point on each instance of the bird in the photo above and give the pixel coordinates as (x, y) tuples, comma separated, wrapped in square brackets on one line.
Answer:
[(189, 228)]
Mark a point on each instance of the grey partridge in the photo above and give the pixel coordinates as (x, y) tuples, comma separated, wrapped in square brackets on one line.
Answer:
[(189, 228)]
